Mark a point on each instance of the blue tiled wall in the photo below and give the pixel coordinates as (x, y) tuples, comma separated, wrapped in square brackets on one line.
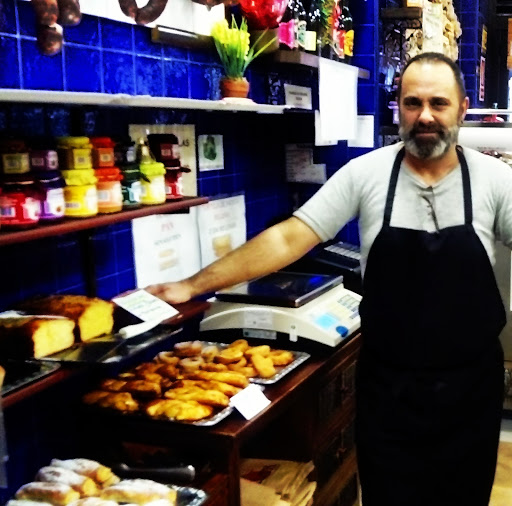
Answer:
[(100, 55)]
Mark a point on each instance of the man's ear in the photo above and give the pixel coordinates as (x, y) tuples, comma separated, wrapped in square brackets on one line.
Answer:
[(463, 109)]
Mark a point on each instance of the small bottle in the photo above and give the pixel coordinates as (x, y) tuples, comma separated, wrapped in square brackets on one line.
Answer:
[(312, 42), (287, 32)]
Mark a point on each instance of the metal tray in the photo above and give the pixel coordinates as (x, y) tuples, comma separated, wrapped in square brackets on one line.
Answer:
[(109, 350), (188, 496), (300, 357), (21, 373)]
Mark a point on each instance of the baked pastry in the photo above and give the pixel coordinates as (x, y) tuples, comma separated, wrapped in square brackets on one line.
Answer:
[(167, 357), (82, 484), (263, 365), (113, 384), (233, 378), (281, 357), (241, 344), (55, 493), (209, 353), (120, 401), (229, 356), (93, 316), (263, 350), (190, 364), (225, 388), (138, 491), (33, 336), (91, 501), (174, 409), (95, 396), (194, 393), (101, 474), (143, 389), (188, 348)]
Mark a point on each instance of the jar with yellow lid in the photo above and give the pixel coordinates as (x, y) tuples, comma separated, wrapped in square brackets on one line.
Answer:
[(74, 152), (152, 183), (80, 193)]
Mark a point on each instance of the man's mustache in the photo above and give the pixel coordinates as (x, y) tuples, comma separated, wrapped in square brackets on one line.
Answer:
[(426, 130)]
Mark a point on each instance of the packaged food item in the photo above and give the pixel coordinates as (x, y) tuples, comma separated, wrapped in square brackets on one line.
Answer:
[(94, 317), (152, 183), (74, 152), (15, 156), (80, 193), (110, 195), (20, 202), (43, 154), (53, 205), (131, 186), (174, 182), (102, 152), (165, 149), (124, 152), (35, 336)]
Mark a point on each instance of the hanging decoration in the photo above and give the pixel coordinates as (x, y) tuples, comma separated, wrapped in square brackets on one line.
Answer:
[(51, 15), (143, 15), (264, 13)]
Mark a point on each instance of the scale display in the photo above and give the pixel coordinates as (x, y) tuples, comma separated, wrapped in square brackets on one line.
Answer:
[(283, 289)]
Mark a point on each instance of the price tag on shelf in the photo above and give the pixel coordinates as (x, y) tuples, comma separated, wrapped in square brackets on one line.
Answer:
[(250, 401)]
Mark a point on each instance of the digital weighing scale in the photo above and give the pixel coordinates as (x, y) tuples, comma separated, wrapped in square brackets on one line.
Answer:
[(311, 306)]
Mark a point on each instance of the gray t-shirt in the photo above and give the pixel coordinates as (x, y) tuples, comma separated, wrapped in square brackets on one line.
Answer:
[(359, 189)]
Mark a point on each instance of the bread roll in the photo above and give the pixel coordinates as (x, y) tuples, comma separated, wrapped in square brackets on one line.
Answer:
[(55, 493), (33, 336), (94, 317), (82, 484), (138, 492)]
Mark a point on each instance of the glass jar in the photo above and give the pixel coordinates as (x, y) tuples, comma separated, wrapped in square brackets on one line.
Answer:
[(15, 156), (165, 149), (80, 193), (20, 202), (74, 153), (152, 183), (110, 195), (124, 152), (43, 154), (102, 152), (53, 204), (174, 183), (131, 186)]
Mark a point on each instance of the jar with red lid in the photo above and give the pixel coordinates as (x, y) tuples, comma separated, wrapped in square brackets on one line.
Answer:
[(110, 195), (165, 149), (53, 205), (102, 152), (20, 202), (174, 182)]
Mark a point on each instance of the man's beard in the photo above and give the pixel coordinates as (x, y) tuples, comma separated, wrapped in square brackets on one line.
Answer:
[(429, 149)]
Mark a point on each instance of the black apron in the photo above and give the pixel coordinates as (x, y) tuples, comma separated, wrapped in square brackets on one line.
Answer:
[(430, 373)]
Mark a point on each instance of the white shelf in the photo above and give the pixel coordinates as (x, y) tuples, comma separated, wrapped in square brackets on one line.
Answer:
[(489, 111), (123, 100)]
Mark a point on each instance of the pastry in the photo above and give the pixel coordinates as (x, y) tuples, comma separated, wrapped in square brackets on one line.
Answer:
[(98, 472), (82, 484), (190, 364), (225, 388), (33, 336), (233, 378), (55, 493), (214, 367), (281, 357), (174, 409), (143, 389), (27, 502), (241, 344), (91, 501), (209, 353), (167, 357), (95, 396), (120, 401), (188, 348), (194, 393), (263, 365), (263, 350), (229, 355), (138, 491), (113, 384)]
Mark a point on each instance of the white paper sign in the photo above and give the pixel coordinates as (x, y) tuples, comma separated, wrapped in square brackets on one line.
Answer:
[(222, 227), (187, 148), (298, 96), (145, 306), (337, 99), (166, 248), (364, 133), (300, 167), (250, 401), (210, 152)]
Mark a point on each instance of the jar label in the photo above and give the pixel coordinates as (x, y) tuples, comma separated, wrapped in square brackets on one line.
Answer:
[(134, 191), (54, 205), (38, 162), (16, 163)]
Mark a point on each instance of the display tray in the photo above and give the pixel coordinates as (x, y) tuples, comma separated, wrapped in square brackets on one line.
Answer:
[(21, 373), (109, 350), (188, 496)]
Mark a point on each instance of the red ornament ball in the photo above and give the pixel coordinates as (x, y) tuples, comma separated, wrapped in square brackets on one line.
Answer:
[(263, 14)]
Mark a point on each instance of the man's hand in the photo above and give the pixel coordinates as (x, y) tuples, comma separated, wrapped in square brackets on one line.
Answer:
[(173, 293)]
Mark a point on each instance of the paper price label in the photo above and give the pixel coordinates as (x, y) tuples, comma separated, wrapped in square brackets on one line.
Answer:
[(250, 401), (146, 306)]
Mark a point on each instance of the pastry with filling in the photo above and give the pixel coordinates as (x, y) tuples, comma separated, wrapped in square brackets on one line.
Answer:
[(138, 491), (58, 494), (82, 484), (101, 474)]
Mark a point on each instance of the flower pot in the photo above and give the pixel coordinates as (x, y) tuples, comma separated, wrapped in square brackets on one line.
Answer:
[(234, 87)]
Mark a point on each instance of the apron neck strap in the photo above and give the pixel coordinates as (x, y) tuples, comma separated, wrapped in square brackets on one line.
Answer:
[(466, 187)]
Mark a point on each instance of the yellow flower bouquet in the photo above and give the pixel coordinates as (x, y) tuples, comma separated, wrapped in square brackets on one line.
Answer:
[(234, 48)]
